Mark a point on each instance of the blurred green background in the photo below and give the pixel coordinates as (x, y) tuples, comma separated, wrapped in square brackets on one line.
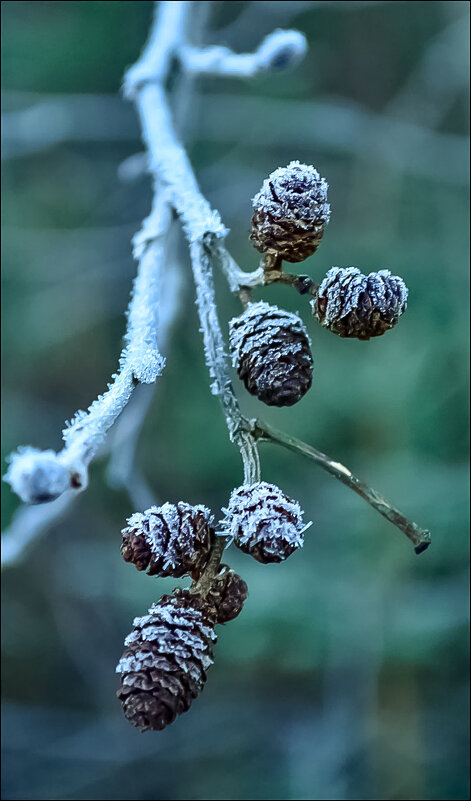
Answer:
[(346, 675)]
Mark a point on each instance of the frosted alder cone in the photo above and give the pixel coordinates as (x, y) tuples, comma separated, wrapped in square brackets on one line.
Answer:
[(271, 350), (168, 540), (290, 212), (351, 304), (264, 522), (164, 665)]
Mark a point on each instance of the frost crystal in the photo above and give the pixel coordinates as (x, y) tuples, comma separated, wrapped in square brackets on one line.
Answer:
[(355, 305), (168, 540), (264, 522)]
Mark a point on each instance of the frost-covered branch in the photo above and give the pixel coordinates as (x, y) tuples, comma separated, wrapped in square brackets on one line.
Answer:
[(203, 227), (280, 50), (122, 471), (29, 524), (419, 537), (42, 476)]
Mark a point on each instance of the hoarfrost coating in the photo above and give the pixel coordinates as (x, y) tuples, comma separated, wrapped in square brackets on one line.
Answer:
[(264, 522), (294, 192), (343, 286), (254, 328), (168, 540)]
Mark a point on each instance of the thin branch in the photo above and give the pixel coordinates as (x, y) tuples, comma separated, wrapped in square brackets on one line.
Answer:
[(211, 569), (279, 50), (202, 225), (29, 524), (419, 537), (122, 471), (42, 476)]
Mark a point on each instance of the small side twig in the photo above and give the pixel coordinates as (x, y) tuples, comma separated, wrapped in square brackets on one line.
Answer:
[(420, 537)]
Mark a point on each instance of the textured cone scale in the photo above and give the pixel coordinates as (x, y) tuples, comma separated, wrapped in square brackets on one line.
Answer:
[(271, 351), (164, 665), (290, 212), (351, 304), (168, 540), (264, 522), (227, 595)]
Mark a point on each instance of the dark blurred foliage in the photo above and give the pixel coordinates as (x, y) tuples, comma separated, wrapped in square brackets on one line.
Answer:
[(346, 674)]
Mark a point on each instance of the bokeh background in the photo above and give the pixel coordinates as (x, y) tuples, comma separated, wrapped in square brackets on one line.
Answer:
[(346, 674)]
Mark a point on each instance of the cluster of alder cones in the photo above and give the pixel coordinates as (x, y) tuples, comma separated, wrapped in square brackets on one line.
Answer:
[(170, 649)]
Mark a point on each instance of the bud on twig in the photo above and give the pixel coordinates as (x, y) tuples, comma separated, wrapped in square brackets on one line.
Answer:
[(290, 212), (271, 351)]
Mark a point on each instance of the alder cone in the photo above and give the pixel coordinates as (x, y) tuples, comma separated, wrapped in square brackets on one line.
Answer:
[(168, 540), (227, 595), (264, 522), (290, 212), (271, 350), (163, 668), (351, 304)]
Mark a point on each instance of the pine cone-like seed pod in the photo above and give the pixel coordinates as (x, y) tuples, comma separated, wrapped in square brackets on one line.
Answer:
[(351, 304), (227, 595), (168, 540), (290, 212), (264, 522), (164, 665), (271, 351)]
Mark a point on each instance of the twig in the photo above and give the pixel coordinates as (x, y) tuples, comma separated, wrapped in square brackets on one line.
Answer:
[(202, 225), (279, 50), (203, 584), (419, 537), (28, 524), (122, 471), (41, 476)]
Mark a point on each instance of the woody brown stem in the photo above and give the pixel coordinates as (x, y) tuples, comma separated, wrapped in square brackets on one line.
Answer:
[(420, 537), (203, 585), (301, 283)]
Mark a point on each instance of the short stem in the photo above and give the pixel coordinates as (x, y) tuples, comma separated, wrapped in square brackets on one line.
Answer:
[(301, 283), (245, 293), (271, 263), (203, 585), (419, 537)]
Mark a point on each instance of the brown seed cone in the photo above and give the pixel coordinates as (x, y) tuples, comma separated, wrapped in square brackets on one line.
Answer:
[(292, 240), (271, 351), (168, 540), (351, 304), (264, 522), (164, 665), (227, 595), (290, 212)]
